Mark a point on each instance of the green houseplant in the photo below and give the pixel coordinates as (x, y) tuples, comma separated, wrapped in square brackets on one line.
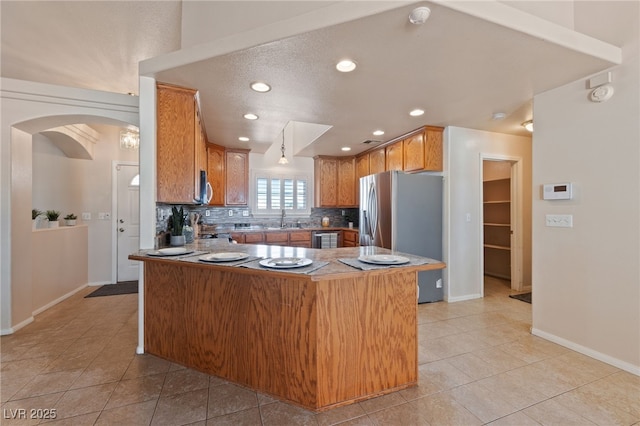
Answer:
[(35, 213), (177, 226), (70, 219), (53, 216)]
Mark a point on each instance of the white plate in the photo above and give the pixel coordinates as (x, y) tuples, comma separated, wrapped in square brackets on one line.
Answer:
[(223, 257), (171, 251), (286, 262), (384, 259)]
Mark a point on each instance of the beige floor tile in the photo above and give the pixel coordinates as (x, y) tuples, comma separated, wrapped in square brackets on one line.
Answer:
[(425, 387), (481, 402), (48, 383), (593, 366), (382, 402), (181, 409), (434, 330), (136, 390), (340, 415), (146, 365), (595, 409), (442, 409), (499, 359), (400, 415), (185, 380), (474, 366), (229, 398), (9, 386), (83, 401), (99, 373), (81, 420), (549, 385), (280, 414), (512, 390), (515, 419), (133, 414), (250, 417), (358, 421), (25, 367), (265, 399), (572, 374), (444, 375), (550, 412), (18, 413)]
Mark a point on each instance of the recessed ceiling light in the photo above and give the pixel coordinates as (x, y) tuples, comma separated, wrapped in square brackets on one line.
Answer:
[(243, 139), (528, 125), (346, 65), (378, 132), (260, 86), (416, 112), (251, 116), (346, 148), (498, 116)]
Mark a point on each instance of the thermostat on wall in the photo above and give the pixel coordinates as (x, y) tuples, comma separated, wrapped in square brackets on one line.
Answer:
[(556, 191)]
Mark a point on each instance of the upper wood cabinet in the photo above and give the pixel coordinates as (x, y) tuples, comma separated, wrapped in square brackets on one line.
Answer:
[(347, 182), (176, 159), (216, 173), (413, 152), (335, 179), (394, 157), (362, 166), (377, 161), (433, 148), (237, 177)]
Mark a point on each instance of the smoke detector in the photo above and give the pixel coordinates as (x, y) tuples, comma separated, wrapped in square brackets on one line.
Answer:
[(419, 15)]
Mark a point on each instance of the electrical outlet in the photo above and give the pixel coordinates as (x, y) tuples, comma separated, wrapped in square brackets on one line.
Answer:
[(559, 220), (207, 213), (86, 216), (439, 283), (245, 213), (230, 213)]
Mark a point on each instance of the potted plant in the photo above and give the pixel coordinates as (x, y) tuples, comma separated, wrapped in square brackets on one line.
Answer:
[(70, 219), (35, 213), (53, 216), (177, 226)]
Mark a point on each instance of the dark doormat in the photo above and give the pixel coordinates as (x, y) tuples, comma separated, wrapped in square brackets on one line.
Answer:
[(125, 287), (525, 297)]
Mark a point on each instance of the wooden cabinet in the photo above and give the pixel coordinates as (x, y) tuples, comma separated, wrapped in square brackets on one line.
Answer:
[(377, 161), (335, 179), (277, 238), (254, 237), (177, 160), (350, 238), (236, 177), (413, 153), (497, 227), (300, 239), (393, 153), (216, 173), (238, 237), (433, 148)]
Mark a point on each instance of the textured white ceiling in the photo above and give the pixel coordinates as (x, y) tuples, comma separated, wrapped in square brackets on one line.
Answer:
[(460, 69)]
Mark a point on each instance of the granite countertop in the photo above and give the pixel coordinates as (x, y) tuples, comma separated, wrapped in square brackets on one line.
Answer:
[(334, 266)]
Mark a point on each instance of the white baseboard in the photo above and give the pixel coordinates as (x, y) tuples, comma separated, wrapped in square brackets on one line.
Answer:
[(623, 365), (140, 350), (463, 298), (17, 327), (58, 300)]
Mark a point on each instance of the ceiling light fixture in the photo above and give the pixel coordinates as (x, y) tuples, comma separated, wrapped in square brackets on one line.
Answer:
[(346, 65), (416, 112), (243, 139), (283, 159), (129, 139), (346, 148), (378, 132), (250, 116), (419, 15), (260, 86), (528, 125), (498, 116)]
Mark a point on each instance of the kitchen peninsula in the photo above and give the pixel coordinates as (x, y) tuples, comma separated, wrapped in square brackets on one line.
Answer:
[(322, 339)]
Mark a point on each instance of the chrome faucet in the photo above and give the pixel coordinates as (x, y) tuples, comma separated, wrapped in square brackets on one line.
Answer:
[(282, 219)]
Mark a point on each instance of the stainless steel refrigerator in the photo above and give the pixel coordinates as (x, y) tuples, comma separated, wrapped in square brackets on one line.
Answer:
[(403, 212)]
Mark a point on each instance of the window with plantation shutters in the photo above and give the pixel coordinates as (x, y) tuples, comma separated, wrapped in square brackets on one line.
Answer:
[(274, 193)]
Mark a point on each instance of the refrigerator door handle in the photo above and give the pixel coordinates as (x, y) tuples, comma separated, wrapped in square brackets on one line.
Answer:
[(373, 212)]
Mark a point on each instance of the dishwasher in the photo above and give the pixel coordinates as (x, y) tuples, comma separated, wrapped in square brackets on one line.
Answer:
[(324, 240)]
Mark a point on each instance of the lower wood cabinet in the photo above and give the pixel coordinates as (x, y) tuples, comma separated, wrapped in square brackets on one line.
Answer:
[(350, 238), (277, 238), (300, 239)]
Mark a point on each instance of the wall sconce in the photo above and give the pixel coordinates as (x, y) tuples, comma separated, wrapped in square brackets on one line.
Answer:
[(283, 159), (528, 125), (129, 139)]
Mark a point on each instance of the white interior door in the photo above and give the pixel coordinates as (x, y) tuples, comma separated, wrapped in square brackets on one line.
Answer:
[(128, 220)]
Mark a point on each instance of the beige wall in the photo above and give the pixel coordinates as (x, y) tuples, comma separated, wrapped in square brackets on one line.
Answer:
[(464, 151), (586, 281)]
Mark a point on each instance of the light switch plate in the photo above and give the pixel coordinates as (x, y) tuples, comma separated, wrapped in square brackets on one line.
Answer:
[(559, 220), (86, 216)]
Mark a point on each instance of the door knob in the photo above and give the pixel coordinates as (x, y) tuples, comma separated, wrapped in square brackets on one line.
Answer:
[(121, 229)]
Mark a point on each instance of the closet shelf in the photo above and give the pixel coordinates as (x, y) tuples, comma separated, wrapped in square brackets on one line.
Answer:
[(497, 202), (493, 246), (497, 224)]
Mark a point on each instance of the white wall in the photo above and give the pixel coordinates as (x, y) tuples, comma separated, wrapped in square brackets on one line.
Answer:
[(29, 108), (586, 282), (464, 149), (72, 185)]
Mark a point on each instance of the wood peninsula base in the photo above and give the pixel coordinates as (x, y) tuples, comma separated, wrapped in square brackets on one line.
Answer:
[(319, 341)]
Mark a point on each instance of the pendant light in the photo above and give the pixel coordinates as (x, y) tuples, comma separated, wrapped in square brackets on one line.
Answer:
[(283, 159)]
